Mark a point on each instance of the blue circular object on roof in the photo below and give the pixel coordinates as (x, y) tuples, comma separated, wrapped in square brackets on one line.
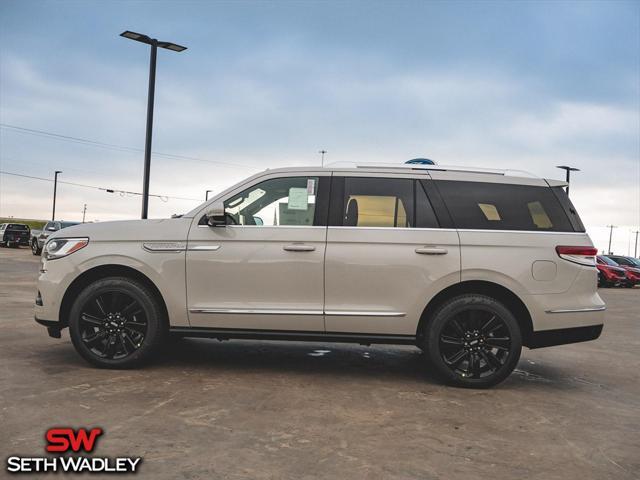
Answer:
[(420, 161)]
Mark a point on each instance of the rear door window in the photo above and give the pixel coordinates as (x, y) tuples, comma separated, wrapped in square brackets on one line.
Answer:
[(378, 202), (498, 206), (382, 202)]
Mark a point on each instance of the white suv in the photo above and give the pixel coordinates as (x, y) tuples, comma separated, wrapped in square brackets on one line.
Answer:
[(468, 265)]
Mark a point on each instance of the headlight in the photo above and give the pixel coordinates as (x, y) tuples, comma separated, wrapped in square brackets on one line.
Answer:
[(61, 247)]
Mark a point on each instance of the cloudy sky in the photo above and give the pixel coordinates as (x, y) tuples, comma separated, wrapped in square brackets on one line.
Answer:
[(523, 85)]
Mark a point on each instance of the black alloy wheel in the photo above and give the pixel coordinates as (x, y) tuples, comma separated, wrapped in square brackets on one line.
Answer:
[(112, 325), (473, 341), (117, 322)]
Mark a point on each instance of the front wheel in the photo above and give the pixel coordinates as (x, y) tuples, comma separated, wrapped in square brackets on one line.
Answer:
[(473, 341), (117, 322), (34, 247)]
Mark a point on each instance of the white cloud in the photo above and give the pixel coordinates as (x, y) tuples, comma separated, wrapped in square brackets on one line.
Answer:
[(279, 106)]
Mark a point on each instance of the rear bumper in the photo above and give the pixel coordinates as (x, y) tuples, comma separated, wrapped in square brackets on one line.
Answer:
[(562, 336), (17, 240)]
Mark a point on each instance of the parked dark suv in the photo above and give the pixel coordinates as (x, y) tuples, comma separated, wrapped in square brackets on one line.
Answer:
[(14, 234), (38, 241)]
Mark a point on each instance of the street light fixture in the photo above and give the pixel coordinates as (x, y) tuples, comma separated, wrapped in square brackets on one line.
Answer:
[(140, 37), (55, 190), (568, 170), (610, 227), (322, 152)]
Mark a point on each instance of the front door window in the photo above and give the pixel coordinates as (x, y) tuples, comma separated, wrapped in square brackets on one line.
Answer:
[(288, 201)]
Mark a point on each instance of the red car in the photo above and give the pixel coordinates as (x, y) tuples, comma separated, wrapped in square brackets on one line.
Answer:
[(631, 268), (609, 273)]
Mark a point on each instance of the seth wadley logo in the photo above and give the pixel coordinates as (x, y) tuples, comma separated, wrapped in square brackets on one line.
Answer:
[(65, 440)]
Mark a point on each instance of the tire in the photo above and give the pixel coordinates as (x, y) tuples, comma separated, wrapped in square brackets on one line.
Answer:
[(117, 322), (473, 341), (35, 249)]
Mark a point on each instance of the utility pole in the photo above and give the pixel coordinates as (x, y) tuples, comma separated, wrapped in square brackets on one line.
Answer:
[(206, 195), (84, 212), (568, 176), (635, 251), (610, 227), (154, 43), (322, 152), (55, 191)]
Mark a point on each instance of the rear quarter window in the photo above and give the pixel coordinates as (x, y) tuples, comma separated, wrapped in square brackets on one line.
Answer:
[(498, 206)]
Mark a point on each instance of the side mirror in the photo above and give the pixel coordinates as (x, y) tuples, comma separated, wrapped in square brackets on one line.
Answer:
[(215, 215)]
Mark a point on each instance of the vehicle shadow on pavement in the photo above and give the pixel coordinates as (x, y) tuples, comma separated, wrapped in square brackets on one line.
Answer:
[(395, 364), (294, 357), (380, 361)]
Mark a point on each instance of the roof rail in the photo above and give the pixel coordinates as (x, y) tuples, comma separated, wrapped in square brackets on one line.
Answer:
[(453, 168)]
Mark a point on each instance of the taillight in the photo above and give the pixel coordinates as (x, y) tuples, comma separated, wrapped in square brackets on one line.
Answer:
[(580, 255)]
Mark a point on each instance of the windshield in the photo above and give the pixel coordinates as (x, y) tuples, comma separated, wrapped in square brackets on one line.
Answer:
[(630, 261), (608, 261), (67, 224)]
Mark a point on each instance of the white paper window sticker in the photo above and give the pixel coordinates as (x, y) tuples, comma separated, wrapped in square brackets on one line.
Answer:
[(311, 186), (490, 212), (298, 199)]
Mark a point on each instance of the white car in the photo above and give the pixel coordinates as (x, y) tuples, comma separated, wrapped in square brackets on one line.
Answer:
[(469, 265)]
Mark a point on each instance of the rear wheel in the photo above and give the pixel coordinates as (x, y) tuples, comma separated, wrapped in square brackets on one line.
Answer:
[(117, 322), (473, 341)]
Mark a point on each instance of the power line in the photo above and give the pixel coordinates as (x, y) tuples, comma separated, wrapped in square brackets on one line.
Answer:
[(164, 198), (111, 146)]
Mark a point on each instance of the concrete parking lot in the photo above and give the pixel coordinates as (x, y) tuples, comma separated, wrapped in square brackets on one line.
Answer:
[(301, 410)]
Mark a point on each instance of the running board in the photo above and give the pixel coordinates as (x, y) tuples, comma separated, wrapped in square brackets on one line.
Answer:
[(297, 336)]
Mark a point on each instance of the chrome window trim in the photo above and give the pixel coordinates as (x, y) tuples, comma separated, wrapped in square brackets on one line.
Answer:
[(456, 230), (599, 308), (388, 229), (265, 226), (519, 231)]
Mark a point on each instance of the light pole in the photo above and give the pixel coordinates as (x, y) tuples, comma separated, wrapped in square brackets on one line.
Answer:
[(322, 152), (84, 212), (635, 250), (568, 176), (610, 227), (55, 191), (139, 37), (206, 195)]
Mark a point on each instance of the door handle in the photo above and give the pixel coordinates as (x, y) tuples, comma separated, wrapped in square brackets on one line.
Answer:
[(299, 247), (431, 250)]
